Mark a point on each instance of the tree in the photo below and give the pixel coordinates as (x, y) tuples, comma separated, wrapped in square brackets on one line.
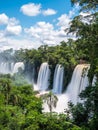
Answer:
[(86, 4), (50, 99), (87, 42), (5, 88)]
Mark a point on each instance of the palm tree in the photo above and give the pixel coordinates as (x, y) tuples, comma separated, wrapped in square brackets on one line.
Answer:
[(50, 99)]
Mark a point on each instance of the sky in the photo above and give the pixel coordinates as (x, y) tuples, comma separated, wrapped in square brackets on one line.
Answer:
[(29, 24)]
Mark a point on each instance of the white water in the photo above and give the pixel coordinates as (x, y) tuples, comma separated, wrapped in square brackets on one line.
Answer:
[(6, 67), (17, 66), (61, 104), (78, 82), (58, 79), (94, 80), (43, 77), (33, 74)]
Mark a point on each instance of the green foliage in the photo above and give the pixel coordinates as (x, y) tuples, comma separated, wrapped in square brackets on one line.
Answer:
[(17, 104), (56, 122), (79, 114), (22, 110), (86, 4), (86, 113)]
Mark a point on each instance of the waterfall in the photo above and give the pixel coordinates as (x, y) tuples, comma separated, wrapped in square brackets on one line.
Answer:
[(58, 79), (78, 82), (43, 77), (33, 76), (6, 67), (57, 89), (94, 80), (10, 68), (17, 66)]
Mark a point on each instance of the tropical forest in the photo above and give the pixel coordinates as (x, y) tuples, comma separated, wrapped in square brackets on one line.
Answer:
[(53, 87)]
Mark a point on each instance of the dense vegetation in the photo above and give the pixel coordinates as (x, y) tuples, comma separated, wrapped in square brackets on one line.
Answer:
[(20, 109), (86, 114)]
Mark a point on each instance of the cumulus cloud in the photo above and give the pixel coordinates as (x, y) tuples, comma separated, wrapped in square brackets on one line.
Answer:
[(63, 21), (31, 9), (12, 26), (45, 33), (49, 12), (13, 30), (21, 43), (3, 18), (17, 44), (13, 21), (39, 34), (2, 37), (41, 31), (39, 28)]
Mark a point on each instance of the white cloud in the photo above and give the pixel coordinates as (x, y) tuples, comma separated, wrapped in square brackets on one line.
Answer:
[(13, 30), (20, 43), (2, 37), (63, 21), (12, 26), (49, 12), (74, 11), (44, 33), (13, 21), (45, 26), (31, 9), (41, 28), (3, 19), (39, 34), (16, 44)]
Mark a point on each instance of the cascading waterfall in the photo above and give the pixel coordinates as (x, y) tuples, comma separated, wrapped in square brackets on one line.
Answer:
[(33, 78), (12, 66), (78, 82), (58, 79), (94, 80), (57, 89), (6, 67), (43, 77), (17, 66)]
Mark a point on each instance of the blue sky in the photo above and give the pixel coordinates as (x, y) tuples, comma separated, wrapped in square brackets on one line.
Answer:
[(31, 23)]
